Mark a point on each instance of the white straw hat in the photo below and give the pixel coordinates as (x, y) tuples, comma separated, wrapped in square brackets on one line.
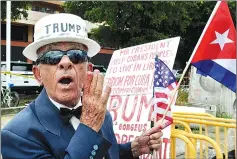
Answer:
[(60, 27)]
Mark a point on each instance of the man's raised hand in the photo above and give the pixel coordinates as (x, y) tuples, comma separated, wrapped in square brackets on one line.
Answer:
[(94, 101)]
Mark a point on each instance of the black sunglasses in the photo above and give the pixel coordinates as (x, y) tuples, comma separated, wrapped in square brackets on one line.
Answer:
[(55, 56)]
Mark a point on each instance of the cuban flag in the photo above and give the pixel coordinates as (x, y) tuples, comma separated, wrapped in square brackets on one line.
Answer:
[(164, 84), (215, 52)]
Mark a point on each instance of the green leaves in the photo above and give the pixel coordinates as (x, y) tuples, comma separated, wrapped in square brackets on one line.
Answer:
[(18, 8), (130, 23)]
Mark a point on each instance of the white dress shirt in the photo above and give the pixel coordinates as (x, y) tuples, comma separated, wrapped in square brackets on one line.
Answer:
[(74, 121)]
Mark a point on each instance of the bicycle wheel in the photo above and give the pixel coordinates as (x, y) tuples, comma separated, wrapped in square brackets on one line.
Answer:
[(3, 102), (14, 99)]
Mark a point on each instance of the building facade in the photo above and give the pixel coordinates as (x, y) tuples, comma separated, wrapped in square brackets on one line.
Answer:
[(22, 32)]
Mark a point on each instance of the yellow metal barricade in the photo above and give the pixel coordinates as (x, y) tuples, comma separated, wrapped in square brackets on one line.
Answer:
[(187, 129), (203, 117), (192, 113), (190, 154), (196, 137), (207, 120)]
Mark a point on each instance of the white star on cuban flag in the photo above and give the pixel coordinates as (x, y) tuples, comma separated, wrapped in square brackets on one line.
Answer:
[(222, 39)]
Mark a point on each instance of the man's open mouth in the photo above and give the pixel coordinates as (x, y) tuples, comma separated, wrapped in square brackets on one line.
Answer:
[(66, 80)]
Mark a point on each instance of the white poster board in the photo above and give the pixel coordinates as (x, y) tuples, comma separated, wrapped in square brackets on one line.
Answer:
[(130, 73)]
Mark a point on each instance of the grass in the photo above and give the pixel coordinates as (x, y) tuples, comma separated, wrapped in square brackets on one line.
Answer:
[(26, 99), (223, 115), (182, 98), (194, 130)]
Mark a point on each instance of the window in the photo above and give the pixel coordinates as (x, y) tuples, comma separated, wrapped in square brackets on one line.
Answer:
[(3, 31), (3, 67), (18, 32), (35, 8), (21, 67), (50, 10), (18, 66), (42, 9)]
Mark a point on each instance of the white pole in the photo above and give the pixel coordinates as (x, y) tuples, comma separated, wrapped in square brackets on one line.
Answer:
[(8, 47), (8, 42)]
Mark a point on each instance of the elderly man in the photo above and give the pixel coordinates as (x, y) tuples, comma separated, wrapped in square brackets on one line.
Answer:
[(61, 122)]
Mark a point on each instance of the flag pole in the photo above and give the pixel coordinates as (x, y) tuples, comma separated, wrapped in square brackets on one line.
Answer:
[(153, 117), (8, 45), (189, 61), (8, 40)]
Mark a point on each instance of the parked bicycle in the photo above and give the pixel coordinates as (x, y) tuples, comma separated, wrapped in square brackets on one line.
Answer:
[(7, 94)]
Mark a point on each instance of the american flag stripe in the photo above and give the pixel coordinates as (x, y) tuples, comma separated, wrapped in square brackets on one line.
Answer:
[(158, 117), (165, 122), (162, 111), (172, 86), (163, 100), (162, 105), (166, 117), (161, 95)]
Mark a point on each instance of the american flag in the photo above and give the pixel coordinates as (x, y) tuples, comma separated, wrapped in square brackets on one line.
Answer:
[(164, 83)]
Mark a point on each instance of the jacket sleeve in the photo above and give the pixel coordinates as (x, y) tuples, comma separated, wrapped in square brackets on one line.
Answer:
[(85, 143), (125, 151)]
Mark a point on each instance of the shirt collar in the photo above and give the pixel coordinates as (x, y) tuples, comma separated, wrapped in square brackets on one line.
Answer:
[(58, 105)]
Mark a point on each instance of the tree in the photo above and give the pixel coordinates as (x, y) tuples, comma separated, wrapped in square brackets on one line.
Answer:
[(136, 22), (18, 8)]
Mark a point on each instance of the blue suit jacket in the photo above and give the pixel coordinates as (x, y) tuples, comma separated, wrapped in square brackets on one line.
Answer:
[(38, 131)]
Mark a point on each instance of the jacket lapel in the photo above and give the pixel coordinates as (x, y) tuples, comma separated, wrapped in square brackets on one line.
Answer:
[(58, 133), (48, 114)]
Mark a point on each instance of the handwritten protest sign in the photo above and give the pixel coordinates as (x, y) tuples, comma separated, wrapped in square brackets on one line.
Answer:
[(130, 72)]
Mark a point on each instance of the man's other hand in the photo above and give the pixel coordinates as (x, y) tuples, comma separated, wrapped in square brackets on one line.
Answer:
[(93, 101), (147, 142)]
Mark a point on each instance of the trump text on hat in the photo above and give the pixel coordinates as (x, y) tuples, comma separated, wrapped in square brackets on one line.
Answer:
[(63, 27)]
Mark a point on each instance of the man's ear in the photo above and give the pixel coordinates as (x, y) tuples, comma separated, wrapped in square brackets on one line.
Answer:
[(36, 72), (90, 66)]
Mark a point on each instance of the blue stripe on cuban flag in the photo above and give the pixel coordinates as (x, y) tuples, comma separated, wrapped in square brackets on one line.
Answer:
[(222, 70)]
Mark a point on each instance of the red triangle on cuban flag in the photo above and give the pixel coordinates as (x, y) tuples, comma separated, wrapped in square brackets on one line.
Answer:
[(215, 52)]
